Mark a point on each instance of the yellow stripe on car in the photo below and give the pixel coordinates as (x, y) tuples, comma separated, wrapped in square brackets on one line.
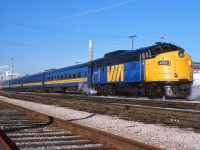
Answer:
[(15, 85), (67, 81), (32, 84)]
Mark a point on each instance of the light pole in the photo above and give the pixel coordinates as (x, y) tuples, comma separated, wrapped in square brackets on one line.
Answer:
[(132, 37), (12, 68)]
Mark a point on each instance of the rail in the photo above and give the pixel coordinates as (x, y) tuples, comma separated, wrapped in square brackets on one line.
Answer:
[(108, 139)]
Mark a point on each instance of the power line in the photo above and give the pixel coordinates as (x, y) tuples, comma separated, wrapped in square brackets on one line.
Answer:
[(53, 29), (33, 46), (34, 37)]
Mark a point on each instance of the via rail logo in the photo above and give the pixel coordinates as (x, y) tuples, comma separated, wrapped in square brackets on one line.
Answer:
[(115, 73)]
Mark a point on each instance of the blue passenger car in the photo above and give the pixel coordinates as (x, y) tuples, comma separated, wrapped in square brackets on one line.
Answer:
[(68, 78), (16, 83), (5, 85), (33, 82)]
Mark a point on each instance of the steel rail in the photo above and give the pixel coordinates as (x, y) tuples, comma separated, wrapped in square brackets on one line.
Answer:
[(175, 103), (150, 114), (107, 139), (6, 143)]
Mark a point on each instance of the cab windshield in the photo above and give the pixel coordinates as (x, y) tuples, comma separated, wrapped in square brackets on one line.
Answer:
[(161, 49)]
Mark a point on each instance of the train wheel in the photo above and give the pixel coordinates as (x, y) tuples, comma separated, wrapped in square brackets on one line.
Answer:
[(104, 90)]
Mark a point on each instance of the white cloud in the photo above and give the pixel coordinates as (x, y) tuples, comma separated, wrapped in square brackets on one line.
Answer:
[(95, 10)]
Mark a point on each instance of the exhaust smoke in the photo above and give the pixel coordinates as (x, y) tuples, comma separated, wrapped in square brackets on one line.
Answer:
[(195, 93), (86, 89), (195, 88)]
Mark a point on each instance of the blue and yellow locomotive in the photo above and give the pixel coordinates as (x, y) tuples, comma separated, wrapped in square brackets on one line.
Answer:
[(158, 70)]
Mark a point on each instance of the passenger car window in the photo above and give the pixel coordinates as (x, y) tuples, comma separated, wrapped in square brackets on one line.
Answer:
[(74, 75), (54, 78), (78, 75)]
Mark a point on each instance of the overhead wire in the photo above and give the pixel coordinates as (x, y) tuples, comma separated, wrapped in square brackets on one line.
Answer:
[(33, 46), (54, 29), (69, 32), (34, 37)]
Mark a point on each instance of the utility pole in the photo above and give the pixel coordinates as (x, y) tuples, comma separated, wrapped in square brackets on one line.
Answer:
[(132, 37), (12, 69)]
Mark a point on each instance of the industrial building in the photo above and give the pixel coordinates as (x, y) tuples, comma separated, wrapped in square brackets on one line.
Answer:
[(8, 75), (196, 73)]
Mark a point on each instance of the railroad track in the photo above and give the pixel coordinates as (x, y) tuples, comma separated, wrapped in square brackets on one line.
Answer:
[(175, 103), (20, 131), (26, 133), (150, 114)]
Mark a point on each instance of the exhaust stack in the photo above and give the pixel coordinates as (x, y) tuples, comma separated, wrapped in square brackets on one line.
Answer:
[(90, 50)]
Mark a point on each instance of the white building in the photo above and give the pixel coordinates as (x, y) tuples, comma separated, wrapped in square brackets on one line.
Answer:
[(195, 93), (196, 77), (196, 74), (8, 75)]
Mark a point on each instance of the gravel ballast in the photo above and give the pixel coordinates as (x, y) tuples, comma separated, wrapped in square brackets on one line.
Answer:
[(159, 135)]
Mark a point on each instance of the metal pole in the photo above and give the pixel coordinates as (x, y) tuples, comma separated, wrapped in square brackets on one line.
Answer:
[(132, 37), (12, 69), (132, 43)]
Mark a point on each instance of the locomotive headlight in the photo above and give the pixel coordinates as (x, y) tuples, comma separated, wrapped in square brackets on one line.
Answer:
[(181, 54)]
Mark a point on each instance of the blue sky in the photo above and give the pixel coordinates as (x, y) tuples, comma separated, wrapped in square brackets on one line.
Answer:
[(44, 34)]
